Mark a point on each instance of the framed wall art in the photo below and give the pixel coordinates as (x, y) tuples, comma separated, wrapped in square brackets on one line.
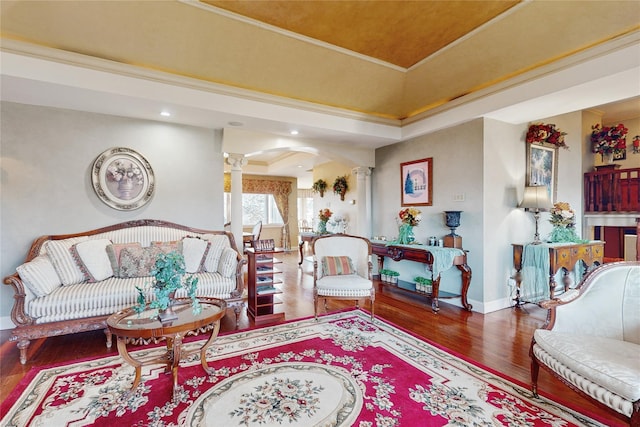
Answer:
[(123, 179), (542, 167), (416, 182)]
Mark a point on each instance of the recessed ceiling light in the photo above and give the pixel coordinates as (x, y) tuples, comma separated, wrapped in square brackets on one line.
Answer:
[(165, 114), (294, 132), (236, 124)]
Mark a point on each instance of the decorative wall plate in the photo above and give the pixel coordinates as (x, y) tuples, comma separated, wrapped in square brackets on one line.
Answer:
[(122, 179)]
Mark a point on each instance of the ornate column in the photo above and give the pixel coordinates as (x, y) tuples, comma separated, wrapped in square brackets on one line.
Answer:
[(236, 161), (363, 200)]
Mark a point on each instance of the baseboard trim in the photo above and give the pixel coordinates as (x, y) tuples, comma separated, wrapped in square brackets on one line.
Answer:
[(6, 323)]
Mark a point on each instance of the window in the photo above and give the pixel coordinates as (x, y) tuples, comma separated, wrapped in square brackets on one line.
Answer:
[(305, 209), (255, 207)]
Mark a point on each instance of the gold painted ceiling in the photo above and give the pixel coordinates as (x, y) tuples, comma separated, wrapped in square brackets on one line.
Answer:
[(453, 48), (399, 32)]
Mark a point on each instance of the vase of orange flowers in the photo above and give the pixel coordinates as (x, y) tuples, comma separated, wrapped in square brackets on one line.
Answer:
[(324, 216), (409, 218)]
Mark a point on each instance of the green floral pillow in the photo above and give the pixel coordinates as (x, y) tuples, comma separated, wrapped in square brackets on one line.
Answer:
[(138, 261)]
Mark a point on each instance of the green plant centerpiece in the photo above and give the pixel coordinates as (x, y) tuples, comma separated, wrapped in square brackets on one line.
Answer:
[(320, 186), (168, 277)]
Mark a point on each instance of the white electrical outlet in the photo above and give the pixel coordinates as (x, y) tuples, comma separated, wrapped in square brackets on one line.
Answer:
[(458, 197)]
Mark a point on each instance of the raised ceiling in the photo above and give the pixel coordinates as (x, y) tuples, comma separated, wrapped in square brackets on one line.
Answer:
[(402, 33), (347, 73), (453, 48)]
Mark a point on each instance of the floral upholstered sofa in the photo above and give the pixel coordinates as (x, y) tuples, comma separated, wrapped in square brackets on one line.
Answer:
[(73, 283)]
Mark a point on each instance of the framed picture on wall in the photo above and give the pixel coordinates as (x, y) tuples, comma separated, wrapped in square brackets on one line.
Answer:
[(416, 182), (542, 167), (122, 179)]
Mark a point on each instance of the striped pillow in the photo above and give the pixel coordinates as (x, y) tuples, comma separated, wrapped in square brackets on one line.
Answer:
[(39, 275), (59, 252), (337, 265)]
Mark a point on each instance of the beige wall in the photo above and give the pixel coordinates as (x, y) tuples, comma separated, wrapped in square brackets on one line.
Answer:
[(329, 172), (46, 157)]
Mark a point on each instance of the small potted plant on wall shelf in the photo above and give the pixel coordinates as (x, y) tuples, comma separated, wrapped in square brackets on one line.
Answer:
[(340, 186), (320, 186)]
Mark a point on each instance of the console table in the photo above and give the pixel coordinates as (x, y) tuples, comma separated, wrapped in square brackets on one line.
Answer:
[(305, 237), (561, 256), (422, 254)]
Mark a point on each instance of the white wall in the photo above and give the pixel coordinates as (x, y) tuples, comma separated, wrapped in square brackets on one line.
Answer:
[(46, 157)]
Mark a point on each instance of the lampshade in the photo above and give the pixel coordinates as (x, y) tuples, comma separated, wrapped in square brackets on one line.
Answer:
[(536, 198)]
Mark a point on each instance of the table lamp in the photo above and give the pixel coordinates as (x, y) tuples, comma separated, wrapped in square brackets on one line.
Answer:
[(536, 198)]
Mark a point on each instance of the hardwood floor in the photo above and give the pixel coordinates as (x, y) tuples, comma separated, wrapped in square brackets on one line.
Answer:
[(498, 340)]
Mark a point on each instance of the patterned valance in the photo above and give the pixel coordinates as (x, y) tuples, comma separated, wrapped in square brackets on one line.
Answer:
[(280, 189), (260, 186)]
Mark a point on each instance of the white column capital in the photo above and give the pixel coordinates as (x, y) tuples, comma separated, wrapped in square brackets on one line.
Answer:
[(237, 161), (361, 171)]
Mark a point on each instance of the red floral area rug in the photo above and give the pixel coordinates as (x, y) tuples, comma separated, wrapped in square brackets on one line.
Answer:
[(342, 370)]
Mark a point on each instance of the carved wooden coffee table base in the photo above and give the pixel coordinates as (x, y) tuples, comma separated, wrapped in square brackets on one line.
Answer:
[(127, 325)]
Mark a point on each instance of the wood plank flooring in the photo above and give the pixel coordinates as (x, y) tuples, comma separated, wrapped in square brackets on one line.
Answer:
[(498, 340)]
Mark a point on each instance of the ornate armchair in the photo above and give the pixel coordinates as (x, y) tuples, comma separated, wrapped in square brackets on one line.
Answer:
[(342, 269), (591, 340)]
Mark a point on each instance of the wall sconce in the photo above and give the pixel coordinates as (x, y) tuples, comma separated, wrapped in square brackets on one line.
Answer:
[(536, 199)]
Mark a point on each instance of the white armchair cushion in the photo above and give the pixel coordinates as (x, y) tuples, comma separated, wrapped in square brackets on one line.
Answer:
[(350, 285), (611, 363)]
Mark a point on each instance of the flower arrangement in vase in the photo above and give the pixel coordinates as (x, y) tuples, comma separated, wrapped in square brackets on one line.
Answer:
[(563, 219), (409, 218), (546, 133), (340, 186), (608, 140), (323, 215), (320, 186), (168, 277)]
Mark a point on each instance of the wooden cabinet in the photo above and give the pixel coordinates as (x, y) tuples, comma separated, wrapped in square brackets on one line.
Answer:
[(264, 304)]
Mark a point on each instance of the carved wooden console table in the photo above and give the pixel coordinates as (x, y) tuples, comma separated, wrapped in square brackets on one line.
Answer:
[(421, 253), (561, 256)]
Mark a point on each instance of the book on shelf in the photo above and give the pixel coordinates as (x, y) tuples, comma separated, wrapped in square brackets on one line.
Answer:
[(265, 290), (263, 280)]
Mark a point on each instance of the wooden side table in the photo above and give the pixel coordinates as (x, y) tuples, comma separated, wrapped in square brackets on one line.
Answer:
[(561, 256), (127, 324)]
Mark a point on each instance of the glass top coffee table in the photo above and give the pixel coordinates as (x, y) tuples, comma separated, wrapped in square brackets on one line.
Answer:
[(127, 325)]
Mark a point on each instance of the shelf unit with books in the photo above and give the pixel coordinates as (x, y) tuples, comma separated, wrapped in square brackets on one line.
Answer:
[(264, 305)]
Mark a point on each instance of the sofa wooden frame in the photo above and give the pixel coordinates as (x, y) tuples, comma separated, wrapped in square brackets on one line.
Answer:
[(26, 327)]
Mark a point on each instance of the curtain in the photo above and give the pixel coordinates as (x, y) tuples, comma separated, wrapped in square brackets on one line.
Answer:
[(280, 189)]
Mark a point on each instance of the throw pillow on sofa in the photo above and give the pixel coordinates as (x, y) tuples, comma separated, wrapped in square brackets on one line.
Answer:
[(228, 262), (59, 252), (113, 252), (39, 276), (195, 251), (217, 243), (92, 258), (138, 262)]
